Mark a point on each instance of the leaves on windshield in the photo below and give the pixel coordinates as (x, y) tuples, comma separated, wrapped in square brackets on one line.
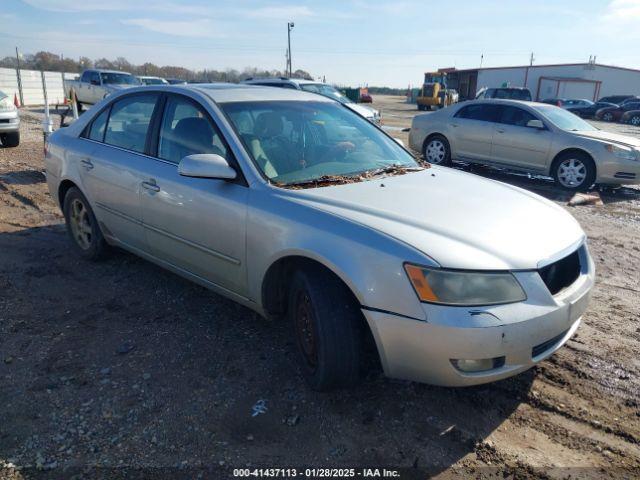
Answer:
[(327, 180)]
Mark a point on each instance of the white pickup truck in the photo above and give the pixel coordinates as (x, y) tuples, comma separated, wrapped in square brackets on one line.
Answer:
[(94, 85)]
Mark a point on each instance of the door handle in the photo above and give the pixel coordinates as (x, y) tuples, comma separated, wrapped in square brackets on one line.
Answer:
[(151, 185), (86, 163), (454, 125), (499, 130)]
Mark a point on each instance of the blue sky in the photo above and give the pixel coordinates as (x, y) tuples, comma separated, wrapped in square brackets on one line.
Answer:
[(351, 42)]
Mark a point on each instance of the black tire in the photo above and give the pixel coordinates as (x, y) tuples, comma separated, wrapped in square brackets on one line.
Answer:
[(586, 175), (446, 149), (94, 246), (11, 139), (328, 328)]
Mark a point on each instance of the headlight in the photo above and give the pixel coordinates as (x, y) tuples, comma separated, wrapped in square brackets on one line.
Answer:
[(7, 105), (459, 288), (620, 152)]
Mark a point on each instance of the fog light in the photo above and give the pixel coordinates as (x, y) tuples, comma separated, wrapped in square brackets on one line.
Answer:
[(479, 365)]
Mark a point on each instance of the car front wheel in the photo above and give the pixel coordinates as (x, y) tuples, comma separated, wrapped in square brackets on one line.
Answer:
[(437, 151), (82, 226), (328, 329), (607, 117), (635, 120), (11, 139), (574, 171)]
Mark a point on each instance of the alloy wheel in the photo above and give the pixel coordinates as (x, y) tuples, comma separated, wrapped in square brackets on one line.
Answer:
[(436, 152), (635, 120), (572, 173), (80, 221), (607, 117)]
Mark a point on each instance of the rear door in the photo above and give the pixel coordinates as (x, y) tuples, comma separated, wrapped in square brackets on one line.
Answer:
[(116, 169), (472, 131), (195, 224), (515, 144)]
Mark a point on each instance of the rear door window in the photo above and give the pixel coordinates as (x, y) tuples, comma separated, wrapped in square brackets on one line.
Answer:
[(129, 122), (482, 112), (96, 132)]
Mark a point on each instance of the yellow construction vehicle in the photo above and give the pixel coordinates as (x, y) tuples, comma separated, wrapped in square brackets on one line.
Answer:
[(434, 92)]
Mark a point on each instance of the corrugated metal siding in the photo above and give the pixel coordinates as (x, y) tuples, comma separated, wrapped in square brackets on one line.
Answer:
[(32, 93), (9, 82), (55, 87)]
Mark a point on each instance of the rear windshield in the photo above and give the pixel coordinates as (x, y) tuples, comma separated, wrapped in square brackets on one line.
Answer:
[(512, 94)]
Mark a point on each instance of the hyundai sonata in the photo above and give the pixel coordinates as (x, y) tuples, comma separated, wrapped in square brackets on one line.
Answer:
[(298, 208)]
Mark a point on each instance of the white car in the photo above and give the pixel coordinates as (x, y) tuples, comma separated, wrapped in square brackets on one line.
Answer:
[(9, 122), (320, 88)]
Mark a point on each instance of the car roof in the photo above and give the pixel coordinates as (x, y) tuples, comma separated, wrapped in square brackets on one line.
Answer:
[(238, 92), (298, 81), (505, 101), (104, 70)]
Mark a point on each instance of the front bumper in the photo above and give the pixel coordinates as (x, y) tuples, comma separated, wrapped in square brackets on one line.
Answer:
[(524, 333), (9, 122), (617, 171)]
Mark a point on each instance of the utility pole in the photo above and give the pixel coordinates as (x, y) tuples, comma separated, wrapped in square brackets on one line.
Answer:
[(290, 26), (481, 59), (531, 60), (19, 77)]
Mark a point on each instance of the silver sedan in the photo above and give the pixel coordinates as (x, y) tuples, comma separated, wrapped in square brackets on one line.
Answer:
[(298, 208), (530, 137)]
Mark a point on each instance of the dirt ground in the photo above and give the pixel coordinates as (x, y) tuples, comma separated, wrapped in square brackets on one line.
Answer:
[(121, 369)]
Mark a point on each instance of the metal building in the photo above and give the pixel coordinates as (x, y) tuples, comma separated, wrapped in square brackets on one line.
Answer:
[(569, 80)]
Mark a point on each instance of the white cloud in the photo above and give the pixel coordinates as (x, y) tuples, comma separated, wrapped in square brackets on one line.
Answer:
[(80, 5), (281, 12), (202, 28), (623, 11)]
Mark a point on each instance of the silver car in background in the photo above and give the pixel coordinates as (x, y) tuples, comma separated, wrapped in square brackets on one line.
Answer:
[(296, 207), (531, 137), (9, 122)]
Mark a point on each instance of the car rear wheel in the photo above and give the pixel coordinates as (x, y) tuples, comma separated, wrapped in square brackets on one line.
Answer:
[(635, 120), (574, 171), (607, 117), (82, 226), (328, 329), (436, 150)]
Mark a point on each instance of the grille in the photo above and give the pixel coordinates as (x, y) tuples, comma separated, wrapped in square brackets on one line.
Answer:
[(543, 347), (559, 275)]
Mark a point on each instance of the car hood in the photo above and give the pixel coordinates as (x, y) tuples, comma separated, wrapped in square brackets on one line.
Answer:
[(610, 137), (362, 110), (457, 219)]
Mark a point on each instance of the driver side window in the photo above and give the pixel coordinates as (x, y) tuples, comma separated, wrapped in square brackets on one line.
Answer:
[(187, 130)]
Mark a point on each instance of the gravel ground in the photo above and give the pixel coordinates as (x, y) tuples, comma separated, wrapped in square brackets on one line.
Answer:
[(121, 369)]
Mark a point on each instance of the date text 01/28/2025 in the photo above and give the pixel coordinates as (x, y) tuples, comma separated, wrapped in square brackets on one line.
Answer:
[(316, 473)]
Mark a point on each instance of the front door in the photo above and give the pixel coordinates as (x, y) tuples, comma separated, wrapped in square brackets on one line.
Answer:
[(195, 224), (515, 144)]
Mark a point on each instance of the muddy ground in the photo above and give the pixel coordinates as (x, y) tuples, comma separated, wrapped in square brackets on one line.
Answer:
[(122, 369)]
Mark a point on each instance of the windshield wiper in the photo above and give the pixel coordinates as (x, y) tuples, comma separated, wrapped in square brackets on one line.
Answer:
[(322, 181)]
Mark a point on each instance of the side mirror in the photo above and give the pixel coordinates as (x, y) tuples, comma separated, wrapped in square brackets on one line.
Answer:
[(206, 165), (535, 124), (95, 82), (399, 141)]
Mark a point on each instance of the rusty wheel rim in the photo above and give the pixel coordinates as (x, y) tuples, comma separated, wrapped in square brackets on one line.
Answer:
[(305, 332), (80, 222)]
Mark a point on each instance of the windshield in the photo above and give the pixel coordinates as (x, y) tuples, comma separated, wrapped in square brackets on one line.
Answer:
[(152, 81), (513, 94), (563, 119), (118, 78), (326, 90), (293, 142)]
